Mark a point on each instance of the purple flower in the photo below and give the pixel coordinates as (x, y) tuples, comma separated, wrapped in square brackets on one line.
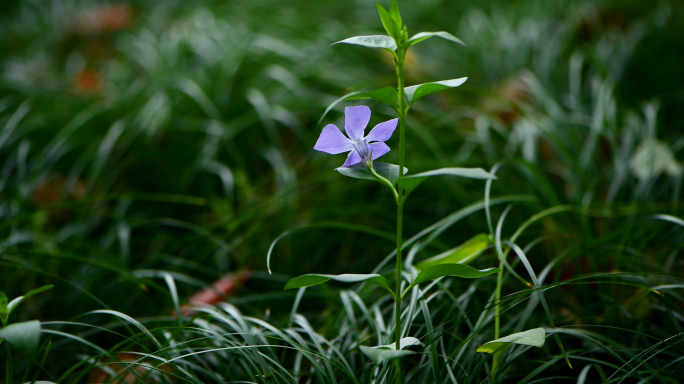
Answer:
[(332, 141)]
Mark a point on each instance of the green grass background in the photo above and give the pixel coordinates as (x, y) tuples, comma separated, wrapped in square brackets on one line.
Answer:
[(193, 152)]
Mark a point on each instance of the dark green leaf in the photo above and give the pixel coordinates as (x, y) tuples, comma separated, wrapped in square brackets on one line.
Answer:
[(409, 183), (462, 254), (22, 336), (373, 41), (387, 21), (416, 92), (315, 279), (396, 16), (456, 270), (3, 308), (534, 337), (418, 37), (385, 95), (360, 171), (18, 300)]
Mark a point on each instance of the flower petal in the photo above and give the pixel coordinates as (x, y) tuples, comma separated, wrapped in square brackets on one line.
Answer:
[(332, 141), (355, 121), (378, 149), (382, 131), (353, 158)]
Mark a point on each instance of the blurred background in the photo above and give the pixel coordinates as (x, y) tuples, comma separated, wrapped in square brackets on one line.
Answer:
[(170, 136)]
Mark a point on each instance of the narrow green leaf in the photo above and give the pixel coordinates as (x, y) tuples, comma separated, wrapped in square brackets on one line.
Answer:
[(379, 355), (22, 336), (360, 171), (396, 16), (372, 41), (409, 183), (534, 337), (418, 37), (387, 21), (416, 92), (456, 270), (18, 300), (462, 254), (3, 308), (316, 279), (385, 95)]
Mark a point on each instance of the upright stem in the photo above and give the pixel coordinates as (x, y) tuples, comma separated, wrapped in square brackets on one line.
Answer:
[(401, 105), (401, 112), (496, 359), (397, 302)]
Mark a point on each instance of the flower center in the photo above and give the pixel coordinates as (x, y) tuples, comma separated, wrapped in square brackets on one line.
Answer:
[(362, 148)]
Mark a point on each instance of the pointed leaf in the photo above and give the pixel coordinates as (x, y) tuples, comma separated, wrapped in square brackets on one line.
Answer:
[(316, 279), (405, 342), (396, 16), (409, 183), (456, 270), (388, 352), (360, 171), (18, 300), (534, 337), (416, 92), (418, 37), (385, 95), (373, 41), (379, 355), (387, 21), (462, 254), (22, 336)]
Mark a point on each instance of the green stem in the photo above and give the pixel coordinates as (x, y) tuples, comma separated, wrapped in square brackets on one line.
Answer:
[(496, 359), (401, 112)]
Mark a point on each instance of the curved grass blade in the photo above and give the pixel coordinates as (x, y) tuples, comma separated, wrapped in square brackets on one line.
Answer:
[(462, 254), (18, 300), (352, 227), (415, 92), (385, 95), (434, 355), (409, 183), (669, 218), (521, 255)]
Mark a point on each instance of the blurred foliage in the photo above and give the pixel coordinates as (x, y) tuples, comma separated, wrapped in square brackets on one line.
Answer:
[(147, 137)]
